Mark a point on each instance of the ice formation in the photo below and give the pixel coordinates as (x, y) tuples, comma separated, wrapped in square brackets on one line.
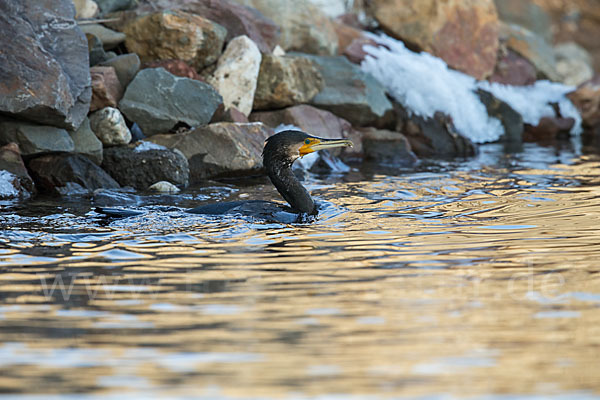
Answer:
[(147, 146), (424, 84)]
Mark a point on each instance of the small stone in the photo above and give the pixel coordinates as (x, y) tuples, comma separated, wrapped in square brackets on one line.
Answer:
[(236, 75), (35, 139), (126, 67), (158, 101), (387, 148), (176, 35), (87, 143), (106, 88), (164, 187), (109, 126), (85, 9), (109, 38)]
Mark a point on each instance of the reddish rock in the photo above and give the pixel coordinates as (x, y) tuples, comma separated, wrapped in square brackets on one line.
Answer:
[(587, 100), (464, 33), (548, 129), (512, 69), (175, 67), (346, 34), (106, 88), (355, 52), (351, 42)]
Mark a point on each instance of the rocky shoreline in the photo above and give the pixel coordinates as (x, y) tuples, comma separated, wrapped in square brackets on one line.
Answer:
[(161, 94)]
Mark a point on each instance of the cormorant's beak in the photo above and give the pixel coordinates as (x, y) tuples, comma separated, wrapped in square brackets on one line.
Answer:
[(315, 144)]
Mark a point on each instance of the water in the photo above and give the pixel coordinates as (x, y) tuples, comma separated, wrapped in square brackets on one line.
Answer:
[(474, 278)]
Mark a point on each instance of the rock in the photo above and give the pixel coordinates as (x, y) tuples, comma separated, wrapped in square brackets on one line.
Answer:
[(387, 148), (95, 50), (106, 88), (433, 137), (142, 168), (332, 8), (304, 27), (587, 100), (176, 67), (109, 38), (86, 142), (355, 52), (158, 101), (35, 139), (531, 46), (549, 129), (126, 66), (60, 173), (286, 81), (527, 14), (464, 33), (109, 126), (350, 93), (511, 120), (85, 9), (346, 34), (219, 150), (108, 6), (44, 74), (11, 161), (513, 69), (232, 114), (175, 35), (573, 64), (164, 187), (237, 74), (314, 121), (239, 20)]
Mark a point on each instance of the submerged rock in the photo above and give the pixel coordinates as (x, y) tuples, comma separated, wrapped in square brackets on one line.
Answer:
[(44, 73), (11, 162), (157, 101), (64, 173), (176, 35), (109, 126), (286, 81), (387, 148), (86, 142), (464, 33), (35, 139), (237, 74), (139, 165), (106, 88), (221, 149)]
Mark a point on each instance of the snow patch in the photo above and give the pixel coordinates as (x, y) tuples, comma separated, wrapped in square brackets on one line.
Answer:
[(147, 146), (7, 187), (424, 84)]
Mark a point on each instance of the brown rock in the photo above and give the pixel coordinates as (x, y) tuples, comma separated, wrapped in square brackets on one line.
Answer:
[(346, 34), (513, 69), (106, 88), (175, 35), (232, 114), (587, 100), (11, 161), (464, 33), (355, 52), (548, 129), (286, 81), (176, 67)]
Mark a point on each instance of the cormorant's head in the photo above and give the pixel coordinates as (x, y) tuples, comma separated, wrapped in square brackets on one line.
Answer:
[(288, 146)]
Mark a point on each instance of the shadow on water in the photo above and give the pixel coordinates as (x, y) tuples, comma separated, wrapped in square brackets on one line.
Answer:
[(476, 277)]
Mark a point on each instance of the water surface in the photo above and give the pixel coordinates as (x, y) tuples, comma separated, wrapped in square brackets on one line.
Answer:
[(471, 278)]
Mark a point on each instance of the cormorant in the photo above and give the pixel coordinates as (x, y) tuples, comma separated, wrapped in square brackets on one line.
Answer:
[(279, 153)]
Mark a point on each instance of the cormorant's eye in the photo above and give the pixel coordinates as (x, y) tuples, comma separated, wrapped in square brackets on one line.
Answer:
[(307, 141)]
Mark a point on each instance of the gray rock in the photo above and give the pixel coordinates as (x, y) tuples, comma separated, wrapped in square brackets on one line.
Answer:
[(47, 66), (87, 143), (63, 173), (109, 126), (109, 38), (221, 149), (35, 139), (387, 148), (11, 162), (350, 93), (96, 50), (574, 64), (108, 6), (511, 120), (157, 101), (526, 14), (140, 169), (126, 66)]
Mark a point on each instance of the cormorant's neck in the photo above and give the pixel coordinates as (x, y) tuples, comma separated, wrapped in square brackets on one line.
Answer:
[(290, 187)]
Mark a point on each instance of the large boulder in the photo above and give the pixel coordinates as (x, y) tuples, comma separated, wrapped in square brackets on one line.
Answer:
[(35, 139), (304, 27), (44, 74), (158, 101), (351, 93), (12, 163), (221, 149), (65, 173), (286, 81), (464, 33), (237, 73), (175, 35), (237, 19), (142, 164)]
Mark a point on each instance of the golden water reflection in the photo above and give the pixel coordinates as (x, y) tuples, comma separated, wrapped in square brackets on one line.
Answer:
[(468, 282)]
